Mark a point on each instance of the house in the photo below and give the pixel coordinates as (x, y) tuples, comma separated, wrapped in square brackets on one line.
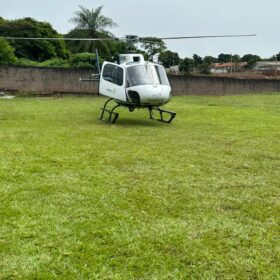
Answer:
[(228, 67), (173, 69), (268, 68)]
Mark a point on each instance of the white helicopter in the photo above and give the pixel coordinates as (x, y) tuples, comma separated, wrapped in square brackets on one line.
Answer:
[(133, 82), (136, 83)]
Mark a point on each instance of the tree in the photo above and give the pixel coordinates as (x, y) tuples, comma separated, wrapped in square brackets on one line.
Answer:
[(7, 55), (204, 68), (222, 58), (251, 60), (186, 65), (197, 59), (169, 58), (236, 58), (210, 59), (39, 50), (153, 45), (275, 57), (91, 24)]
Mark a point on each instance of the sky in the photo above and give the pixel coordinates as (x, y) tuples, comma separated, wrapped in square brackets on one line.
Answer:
[(172, 18)]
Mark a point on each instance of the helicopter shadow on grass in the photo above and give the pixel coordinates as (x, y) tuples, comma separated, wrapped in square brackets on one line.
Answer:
[(127, 122), (124, 120), (138, 122)]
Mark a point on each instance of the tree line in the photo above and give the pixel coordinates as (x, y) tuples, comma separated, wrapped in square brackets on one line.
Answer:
[(91, 23), (202, 65)]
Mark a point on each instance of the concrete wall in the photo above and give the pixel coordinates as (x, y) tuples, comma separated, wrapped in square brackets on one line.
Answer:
[(48, 81), (184, 85)]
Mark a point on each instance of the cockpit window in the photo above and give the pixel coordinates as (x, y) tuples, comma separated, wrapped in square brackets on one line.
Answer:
[(162, 75), (139, 75)]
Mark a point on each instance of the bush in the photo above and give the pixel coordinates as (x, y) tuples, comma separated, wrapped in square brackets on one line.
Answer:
[(204, 68), (7, 53), (78, 61), (56, 62), (83, 60), (26, 62)]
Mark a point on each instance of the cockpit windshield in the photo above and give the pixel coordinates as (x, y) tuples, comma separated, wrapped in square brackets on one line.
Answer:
[(139, 75), (162, 75)]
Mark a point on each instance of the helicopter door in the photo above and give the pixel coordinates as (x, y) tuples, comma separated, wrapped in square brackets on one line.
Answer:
[(112, 81)]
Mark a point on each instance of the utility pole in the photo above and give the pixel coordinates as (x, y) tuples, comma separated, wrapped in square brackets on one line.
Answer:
[(231, 64), (275, 68)]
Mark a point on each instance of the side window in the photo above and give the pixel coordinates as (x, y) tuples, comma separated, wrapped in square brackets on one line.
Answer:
[(118, 76), (113, 74), (107, 72)]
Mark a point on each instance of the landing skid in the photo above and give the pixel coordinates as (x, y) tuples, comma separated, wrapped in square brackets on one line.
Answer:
[(164, 115), (113, 116)]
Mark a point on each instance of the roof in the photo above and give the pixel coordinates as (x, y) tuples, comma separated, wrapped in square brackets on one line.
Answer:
[(268, 63), (229, 64)]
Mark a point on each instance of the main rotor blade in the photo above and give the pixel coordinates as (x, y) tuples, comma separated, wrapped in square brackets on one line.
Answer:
[(124, 38), (200, 37), (58, 39)]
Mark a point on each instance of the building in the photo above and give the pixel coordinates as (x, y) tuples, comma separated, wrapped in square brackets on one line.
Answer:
[(268, 68), (173, 69), (228, 67)]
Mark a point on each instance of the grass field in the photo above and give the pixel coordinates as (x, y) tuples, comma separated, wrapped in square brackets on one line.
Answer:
[(82, 199)]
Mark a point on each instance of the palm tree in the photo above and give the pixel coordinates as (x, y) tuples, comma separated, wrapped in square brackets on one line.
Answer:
[(91, 24), (92, 20)]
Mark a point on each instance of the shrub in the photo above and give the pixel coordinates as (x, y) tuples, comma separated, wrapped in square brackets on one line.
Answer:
[(7, 53), (83, 60), (56, 62), (26, 62)]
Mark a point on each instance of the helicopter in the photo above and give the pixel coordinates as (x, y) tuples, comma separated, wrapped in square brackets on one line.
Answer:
[(135, 83), (132, 82)]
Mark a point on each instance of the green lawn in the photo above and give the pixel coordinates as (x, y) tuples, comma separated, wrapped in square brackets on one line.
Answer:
[(82, 199)]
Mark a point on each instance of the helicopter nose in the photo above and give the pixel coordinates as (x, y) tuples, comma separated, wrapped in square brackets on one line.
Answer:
[(149, 94), (157, 95)]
